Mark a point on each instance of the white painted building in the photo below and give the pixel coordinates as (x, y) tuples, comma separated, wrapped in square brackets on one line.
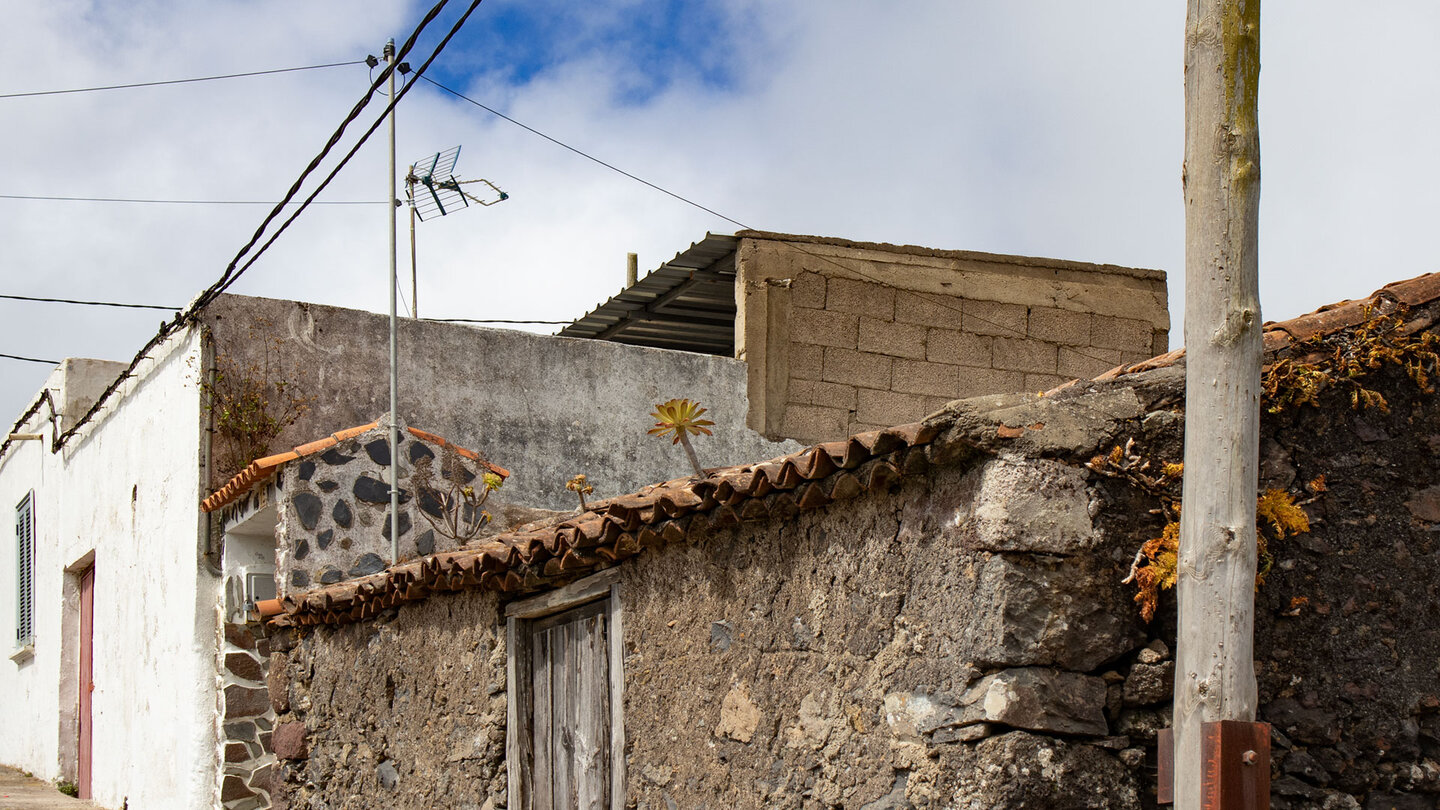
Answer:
[(117, 500)]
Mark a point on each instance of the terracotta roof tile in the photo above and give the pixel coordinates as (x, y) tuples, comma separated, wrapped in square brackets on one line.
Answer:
[(262, 469), (621, 527)]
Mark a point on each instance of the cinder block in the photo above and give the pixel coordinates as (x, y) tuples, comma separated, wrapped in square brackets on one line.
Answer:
[(814, 392), (990, 318), (929, 309), (1086, 363), (860, 298), (974, 382), (1060, 326), (918, 377), (889, 407), (808, 290), (1121, 333), (1018, 354), (893, 339), (812, 423), (821, 327), (806, 362), (861, 369), (958, 348)]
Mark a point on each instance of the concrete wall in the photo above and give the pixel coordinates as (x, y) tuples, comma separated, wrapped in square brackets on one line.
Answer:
[(543, 407), (842, 337), (111, 496)]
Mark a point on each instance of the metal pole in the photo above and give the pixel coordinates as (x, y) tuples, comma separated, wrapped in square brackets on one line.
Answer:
[(414, 290), (394, 343)]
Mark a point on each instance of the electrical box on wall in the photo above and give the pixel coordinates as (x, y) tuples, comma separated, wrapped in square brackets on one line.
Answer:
[(251, 584)]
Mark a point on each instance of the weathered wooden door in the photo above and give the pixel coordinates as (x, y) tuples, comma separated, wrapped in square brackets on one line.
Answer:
[(87, 672), (570, 683)]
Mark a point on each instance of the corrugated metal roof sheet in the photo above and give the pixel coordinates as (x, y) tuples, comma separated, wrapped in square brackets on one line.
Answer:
[(688, 303)]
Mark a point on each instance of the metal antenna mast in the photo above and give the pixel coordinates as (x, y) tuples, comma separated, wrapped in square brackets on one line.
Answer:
[(432, 190), (389, 54)]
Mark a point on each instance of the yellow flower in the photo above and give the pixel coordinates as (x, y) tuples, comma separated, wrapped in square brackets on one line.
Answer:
[(681, 417), (492, 481)]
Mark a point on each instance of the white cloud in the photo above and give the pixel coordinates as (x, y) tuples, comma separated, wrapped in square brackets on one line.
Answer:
[(1040, 127)]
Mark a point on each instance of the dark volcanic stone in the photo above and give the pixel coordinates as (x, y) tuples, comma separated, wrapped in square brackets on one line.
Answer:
[(307, 469), (243, 730), (243, 702), (328, 486), (243, 665), (239, 636), (307, 508), (288, 741), (323, 538), (302, 549), (371, 490), (233, 789), (418, 451), (425, 543), (330, 575), (404, 525), (299, 578), (430, 503), (368, 564), (335, 458), (379, 452), (342, 515)]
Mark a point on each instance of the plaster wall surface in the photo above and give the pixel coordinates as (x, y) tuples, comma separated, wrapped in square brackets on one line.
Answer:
[(110, 495), (546, 408)]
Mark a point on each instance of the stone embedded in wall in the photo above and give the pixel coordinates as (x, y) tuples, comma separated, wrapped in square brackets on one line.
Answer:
[(404, 521), (379, 452), (335, 458), (305, 471), (342, 515), (738, 715), (1148, 684), (243, 702), (1070, 613), (288, 741), (243, 665), (1019, 769), (372, 490), (367, 564), (1035, 506), (307, 509), (1039, 700)]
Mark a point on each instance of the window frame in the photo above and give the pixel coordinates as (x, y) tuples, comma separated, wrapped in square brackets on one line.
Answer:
[(519, 733), (25, 573)]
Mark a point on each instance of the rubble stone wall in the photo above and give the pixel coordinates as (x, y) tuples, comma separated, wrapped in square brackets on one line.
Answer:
[(962, 641)]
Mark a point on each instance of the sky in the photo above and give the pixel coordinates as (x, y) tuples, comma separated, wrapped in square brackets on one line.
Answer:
[(1035, 127)]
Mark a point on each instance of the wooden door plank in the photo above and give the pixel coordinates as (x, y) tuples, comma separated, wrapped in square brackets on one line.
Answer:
[(592, 733), (615, 649), (541, 725), (562, 685)]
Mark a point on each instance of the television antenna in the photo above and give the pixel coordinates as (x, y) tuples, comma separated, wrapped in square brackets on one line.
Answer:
[(432, 190)]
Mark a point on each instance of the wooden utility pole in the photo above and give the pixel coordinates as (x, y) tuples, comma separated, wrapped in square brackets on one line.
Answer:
[(1215, 672)]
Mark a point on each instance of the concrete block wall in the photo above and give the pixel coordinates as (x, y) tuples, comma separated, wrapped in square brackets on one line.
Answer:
[(842, 337)]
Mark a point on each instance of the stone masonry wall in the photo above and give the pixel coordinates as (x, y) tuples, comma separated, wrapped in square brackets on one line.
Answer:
[(335, 516), (247, 761), (962, 641), (844, 337)]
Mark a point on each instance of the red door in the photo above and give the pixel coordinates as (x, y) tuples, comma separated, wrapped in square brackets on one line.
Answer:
[(87, 673)]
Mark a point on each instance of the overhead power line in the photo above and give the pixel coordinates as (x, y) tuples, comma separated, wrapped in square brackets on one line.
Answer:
[(585, 155), (179, 202), (935, 300), (178, 81), (233, 270), (30, 359), (88, 303)]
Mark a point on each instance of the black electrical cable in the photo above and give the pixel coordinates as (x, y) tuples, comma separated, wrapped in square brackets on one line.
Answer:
[(190, 314), (179, 202), (585, 155), (30, 359), (88, 303), (178, 81)]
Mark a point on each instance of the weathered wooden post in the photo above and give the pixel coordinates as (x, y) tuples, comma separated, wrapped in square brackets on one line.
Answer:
[(1215, 672)]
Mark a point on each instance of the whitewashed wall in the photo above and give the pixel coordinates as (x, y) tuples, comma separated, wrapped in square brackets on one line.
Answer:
[(114, 491)]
